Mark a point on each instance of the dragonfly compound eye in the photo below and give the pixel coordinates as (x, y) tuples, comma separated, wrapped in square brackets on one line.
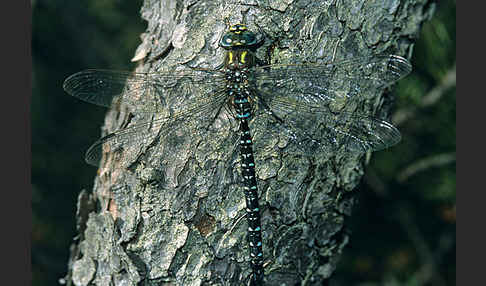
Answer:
[(249, 38)]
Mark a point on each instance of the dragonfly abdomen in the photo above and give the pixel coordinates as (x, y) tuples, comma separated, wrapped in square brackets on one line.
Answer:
[(239, 92), (250, 190)]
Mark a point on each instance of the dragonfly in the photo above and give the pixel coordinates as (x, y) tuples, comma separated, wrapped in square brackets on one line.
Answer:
[(301, 102)]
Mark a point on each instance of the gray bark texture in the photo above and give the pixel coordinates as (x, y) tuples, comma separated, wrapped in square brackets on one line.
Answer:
[(171, 211)]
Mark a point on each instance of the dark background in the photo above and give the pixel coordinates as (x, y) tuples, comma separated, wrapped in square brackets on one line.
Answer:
[(403, 231)]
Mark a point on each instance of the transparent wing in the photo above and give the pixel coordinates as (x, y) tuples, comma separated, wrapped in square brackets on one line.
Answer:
[(192, 114), (104, 87), (304, 104), (318, 83), (311, 130)]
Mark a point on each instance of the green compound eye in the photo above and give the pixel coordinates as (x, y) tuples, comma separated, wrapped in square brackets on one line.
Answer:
[(249, 38), (238, 37), (226, 41)]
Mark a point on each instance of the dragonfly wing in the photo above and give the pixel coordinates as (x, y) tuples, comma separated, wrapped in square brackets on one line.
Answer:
[(142, 90), (311, 130), (192, 114), (324, 82), (305, 103)]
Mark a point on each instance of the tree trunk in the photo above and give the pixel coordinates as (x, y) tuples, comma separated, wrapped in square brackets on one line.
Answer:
[(172, 212)]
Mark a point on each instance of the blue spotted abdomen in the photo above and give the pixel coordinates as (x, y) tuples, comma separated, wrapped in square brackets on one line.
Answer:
[(237, 87)]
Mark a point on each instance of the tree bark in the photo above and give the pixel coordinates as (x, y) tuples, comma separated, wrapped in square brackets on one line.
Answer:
[(171, 212)]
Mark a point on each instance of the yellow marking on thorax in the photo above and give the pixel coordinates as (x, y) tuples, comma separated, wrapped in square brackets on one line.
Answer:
[(243, 56), (230, 57)]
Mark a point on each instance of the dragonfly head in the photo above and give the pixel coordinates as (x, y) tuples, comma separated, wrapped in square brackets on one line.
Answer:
[(238, 37)]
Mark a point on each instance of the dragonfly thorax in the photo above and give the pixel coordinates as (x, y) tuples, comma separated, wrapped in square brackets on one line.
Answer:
[(239, 59)]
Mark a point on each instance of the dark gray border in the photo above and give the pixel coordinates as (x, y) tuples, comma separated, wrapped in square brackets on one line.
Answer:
[(15, 122)]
